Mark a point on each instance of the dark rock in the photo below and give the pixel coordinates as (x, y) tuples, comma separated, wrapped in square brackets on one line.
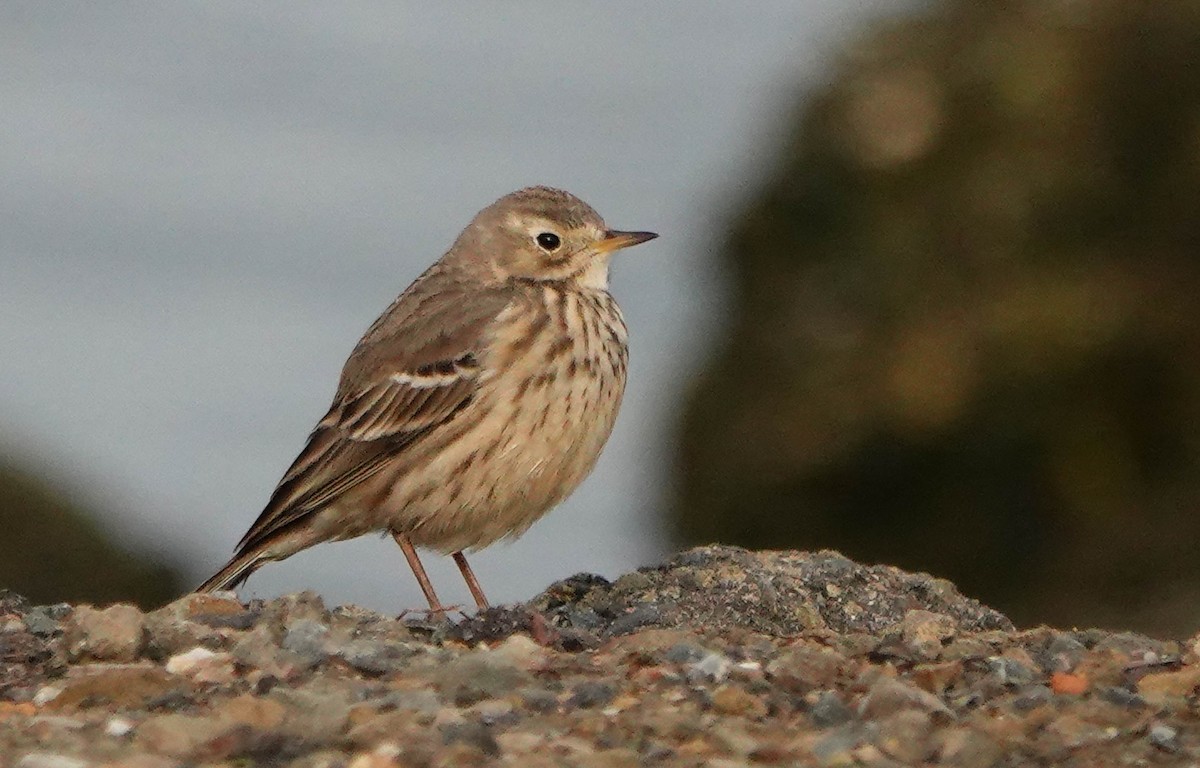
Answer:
[(1032, 697), (591, 694), (829, 710), (684, 653), (584, 618), (1122, 697), (778, 593), (499, 622), (640, 616), (572, 639), (474, 735), (572, 589)]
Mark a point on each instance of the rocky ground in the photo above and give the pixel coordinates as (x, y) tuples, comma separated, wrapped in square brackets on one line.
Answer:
[(719, 657)]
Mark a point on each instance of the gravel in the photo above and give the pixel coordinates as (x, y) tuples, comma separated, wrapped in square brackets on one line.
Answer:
[(718, 657)]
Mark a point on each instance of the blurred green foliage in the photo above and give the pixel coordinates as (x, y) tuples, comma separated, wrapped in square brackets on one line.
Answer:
[(51, 551), (965, 333)]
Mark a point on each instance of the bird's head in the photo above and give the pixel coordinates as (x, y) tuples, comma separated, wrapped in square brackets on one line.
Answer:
[(542, 234)]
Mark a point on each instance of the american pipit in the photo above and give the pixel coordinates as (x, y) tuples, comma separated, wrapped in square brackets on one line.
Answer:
[(475, 403)]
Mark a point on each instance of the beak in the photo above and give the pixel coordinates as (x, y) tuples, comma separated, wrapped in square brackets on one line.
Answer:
[(615, 240)]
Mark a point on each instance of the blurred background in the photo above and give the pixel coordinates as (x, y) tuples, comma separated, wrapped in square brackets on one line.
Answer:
[(926, 291)]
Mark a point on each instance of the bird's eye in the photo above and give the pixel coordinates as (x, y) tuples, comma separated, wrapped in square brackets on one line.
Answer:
[(548, 241)]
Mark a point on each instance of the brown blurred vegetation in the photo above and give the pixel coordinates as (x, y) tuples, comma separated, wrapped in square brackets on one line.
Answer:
[(51, 551), (965, 332)]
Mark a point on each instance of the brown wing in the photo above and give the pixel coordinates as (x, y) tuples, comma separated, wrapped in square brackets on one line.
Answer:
[(413, 371)]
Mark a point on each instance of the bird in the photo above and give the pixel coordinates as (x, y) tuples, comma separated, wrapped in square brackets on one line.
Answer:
[(479, 399)]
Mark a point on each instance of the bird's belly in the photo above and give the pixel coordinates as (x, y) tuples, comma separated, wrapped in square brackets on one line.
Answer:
[(522, 450)]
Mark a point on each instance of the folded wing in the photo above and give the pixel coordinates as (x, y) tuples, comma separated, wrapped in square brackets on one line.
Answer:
[(413, 372)]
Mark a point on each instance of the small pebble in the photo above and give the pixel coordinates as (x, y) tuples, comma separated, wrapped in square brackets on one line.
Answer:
[(46, 620), (116, 633), (1032, 697), (804, 667), (713, 667), (1122, 697), (45, 695), (539, 699), (1068, 683), (520, 650), (118, 726), (1063, 653), (1164, 737), (1011, 672), (375, 658), (829, 710), (591, 694), (203, 666), (307, 639), (642, 616), (684, 653), (889, 695), (926, 632), (732, 699)]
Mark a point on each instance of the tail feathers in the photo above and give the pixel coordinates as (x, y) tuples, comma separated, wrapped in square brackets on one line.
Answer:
[(235, 572)]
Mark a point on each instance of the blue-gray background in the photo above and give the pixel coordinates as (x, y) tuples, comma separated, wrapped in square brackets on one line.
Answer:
[(203, 205)]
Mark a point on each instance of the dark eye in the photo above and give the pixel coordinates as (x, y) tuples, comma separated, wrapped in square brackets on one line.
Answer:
[(549, 241)]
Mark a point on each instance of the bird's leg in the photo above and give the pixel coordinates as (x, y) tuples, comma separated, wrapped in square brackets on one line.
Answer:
[(414, 562), (469, 576)]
